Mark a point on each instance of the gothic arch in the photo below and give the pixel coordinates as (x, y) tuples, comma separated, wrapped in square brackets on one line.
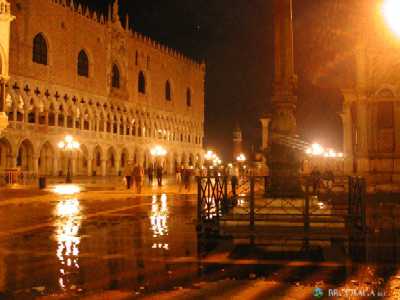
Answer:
[(97, 160), (111, 162), (46, 159), (25, 155)]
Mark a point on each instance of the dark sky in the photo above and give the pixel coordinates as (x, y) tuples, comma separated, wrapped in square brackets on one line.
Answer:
[(235, 37)]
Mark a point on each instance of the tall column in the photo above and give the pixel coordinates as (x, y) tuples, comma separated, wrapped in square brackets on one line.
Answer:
[(90, 164), (362, 146), (347, 139), (3, 116), (283, 160), (35, 165), (265, 132), (104, 167)]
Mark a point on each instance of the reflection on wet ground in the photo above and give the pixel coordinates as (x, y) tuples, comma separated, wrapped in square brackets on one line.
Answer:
[(77, 244)]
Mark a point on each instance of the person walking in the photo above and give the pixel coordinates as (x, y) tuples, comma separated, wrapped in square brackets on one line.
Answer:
[(128, 175), (178, 174), (138, 174), (316, 180), (186, 179), (159, 174), (150, 171)]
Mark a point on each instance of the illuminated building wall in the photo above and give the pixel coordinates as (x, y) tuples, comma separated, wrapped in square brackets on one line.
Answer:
[(74, 71)]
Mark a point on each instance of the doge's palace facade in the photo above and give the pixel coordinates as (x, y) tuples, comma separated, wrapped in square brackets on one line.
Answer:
[(74, 71)]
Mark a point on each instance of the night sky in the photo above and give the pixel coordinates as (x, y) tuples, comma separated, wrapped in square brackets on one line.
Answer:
[(235, 38)]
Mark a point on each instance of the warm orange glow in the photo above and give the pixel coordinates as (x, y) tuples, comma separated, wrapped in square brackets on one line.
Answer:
[(391, 12)]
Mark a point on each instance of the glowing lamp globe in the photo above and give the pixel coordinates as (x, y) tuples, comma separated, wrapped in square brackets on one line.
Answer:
[(391, 12)]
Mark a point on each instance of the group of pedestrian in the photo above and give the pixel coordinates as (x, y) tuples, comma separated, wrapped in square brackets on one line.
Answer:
[(158, 171), (134, 177), (183, 177), (327, 179)]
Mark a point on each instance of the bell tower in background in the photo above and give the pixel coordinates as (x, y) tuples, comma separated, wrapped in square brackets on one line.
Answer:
[(5, 23)]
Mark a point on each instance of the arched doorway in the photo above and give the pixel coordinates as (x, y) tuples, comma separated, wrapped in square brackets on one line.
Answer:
[(96, 162), (124, 160), (82, 161), (25, 156), (5, 154), (46, 160), (111, 162)]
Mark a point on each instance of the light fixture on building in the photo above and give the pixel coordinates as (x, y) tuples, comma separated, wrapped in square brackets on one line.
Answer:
[(69, 145)]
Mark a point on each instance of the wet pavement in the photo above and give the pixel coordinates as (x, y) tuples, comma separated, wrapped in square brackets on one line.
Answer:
[(100, 244)]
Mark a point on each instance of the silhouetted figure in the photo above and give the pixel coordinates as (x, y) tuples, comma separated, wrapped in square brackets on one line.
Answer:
[(138, 174), (316, 179), (150, 172), (128, 175), (159, 174)]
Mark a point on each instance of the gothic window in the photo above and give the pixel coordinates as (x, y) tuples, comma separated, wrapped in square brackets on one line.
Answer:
[(39, 50), (188, 98), (83, 64), (167, 91), (141, 83), (385, 127), (115, 78)]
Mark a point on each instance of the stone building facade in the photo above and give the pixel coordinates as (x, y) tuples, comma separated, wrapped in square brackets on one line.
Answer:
[(77, 72), (371, 111)]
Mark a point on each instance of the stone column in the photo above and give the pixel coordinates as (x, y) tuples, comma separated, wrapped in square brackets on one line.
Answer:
[(3, 116), (117, 163), (55, 165), (397, 139), (90, 164), (103, 167), (35, 162), (362, 136), (347, 138), (265, 132), (283, 161)]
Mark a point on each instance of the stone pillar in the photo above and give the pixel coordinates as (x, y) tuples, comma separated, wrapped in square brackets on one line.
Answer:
[(103, 167), (46, 118), (347, 139), (283, 161), (362, 135), (55, 165), (90, 164), (35, 162), (397, 139), (117, 163), (265, 132), (3, 115), (37, 115)]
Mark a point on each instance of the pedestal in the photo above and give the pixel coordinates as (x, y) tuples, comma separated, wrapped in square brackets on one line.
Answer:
[(284, 165)]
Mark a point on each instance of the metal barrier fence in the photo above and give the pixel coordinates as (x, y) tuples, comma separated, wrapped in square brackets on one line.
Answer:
[(17, 177), (214, 202)]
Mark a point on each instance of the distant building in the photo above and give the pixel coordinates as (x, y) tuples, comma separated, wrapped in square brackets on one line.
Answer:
[(75, 71), (237, 142)]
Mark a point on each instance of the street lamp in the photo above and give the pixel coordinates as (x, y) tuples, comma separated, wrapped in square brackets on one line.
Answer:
[(158, 151), (68, 145), (241, 158), (391, 12), (209, 158)]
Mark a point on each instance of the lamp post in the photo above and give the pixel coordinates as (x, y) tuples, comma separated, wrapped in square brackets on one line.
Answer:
[(209, 157), (68, 145), (158, 152), (241, 158)]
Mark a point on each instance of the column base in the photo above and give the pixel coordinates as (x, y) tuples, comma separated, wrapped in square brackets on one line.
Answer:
[(284, 165)]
